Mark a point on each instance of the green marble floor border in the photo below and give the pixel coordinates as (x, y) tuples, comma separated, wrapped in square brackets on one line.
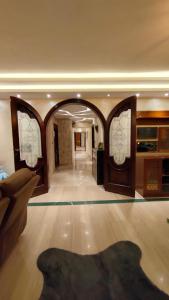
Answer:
[(65, 203)]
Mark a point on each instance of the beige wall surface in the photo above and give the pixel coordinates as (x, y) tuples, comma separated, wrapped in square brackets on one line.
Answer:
[(98, 134), (65, 141), (105, 105), (6, 141), (43, 106)]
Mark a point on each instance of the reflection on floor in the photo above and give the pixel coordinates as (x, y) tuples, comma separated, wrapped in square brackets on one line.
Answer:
[(87, 229), (76, 183)]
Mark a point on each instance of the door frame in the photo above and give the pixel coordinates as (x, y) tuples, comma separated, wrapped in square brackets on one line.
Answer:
[(56, 143), (120, 107), (73, 101), (15, 133)]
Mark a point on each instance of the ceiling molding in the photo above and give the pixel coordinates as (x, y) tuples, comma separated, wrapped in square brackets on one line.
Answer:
[(94, 87), (93, 82)]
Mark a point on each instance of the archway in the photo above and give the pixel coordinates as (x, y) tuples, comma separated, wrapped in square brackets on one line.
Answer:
[(75, 102)]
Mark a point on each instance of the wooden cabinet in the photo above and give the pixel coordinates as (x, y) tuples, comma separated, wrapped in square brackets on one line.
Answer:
[(152, 175), (152, 158), (98, 165), (152, 138)]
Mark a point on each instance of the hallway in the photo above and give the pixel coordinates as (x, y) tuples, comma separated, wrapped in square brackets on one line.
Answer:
[(76, 183)]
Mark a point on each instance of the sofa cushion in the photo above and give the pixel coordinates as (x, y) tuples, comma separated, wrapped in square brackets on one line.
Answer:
[(16, 181)]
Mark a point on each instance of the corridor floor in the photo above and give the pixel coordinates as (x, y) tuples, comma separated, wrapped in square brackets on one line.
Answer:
[(76, 183)]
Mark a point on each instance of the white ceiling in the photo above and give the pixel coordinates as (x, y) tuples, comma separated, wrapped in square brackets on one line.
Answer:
[(90, 35), (83, 36), (77, 113)]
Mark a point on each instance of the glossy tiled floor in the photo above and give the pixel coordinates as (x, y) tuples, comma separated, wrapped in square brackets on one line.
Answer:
[(87, 229), (76, 183)]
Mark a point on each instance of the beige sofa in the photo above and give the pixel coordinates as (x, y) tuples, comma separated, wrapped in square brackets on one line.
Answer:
[(15, 192)]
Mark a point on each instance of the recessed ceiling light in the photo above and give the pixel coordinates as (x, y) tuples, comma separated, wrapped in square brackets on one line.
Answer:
[(138, 95), (48, 96), (108, 95), (166, 94), (18, 96), (78, 95)]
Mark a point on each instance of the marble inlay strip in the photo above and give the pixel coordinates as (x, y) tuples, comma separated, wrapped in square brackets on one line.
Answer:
[(97, 202)]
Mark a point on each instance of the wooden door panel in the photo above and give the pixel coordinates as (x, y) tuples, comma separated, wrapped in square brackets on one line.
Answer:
[(120, 148), (29, 141)]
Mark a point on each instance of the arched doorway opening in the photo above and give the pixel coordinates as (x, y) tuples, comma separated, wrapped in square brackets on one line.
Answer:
[(74, 130), (119, 137)]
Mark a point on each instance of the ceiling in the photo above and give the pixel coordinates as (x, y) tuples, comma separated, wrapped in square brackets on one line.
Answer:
[(57, 96), (97, 35), (58, 36), (76, 113)]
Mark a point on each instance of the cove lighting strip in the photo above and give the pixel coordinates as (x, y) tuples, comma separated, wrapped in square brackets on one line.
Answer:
[(87, 75), (85, 87)]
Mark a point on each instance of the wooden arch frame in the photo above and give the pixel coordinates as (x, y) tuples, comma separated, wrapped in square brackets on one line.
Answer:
[(73, 101), (118, 179), (41, 166)]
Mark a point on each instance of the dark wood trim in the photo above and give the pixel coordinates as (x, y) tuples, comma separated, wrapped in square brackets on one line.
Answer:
[(152, 114), (19, 104), (129, 103), (56, 145), (76, 101)]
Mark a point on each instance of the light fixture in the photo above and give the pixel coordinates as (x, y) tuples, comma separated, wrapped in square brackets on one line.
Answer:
[(18, 96), (78, 95), (94, 87), (48, 96), (87, 75), (108, 95), (166, 94), (138, 95)]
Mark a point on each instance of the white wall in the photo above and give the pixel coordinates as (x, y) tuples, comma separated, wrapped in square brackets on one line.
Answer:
[(6, 141)]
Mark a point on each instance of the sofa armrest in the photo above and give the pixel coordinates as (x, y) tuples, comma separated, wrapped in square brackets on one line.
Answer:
[(4, 203), (18, 203), (16, 181)]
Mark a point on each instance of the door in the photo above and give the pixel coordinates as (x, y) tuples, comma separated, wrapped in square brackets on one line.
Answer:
[(29, 141), (77, 136), (83, 141), (56, 141), (120, 148)]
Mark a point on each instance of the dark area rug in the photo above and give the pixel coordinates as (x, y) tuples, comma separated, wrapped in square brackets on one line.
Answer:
[(113, 274)]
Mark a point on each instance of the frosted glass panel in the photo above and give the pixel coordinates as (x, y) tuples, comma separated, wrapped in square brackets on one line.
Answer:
[(120, 137), (29, 139)]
